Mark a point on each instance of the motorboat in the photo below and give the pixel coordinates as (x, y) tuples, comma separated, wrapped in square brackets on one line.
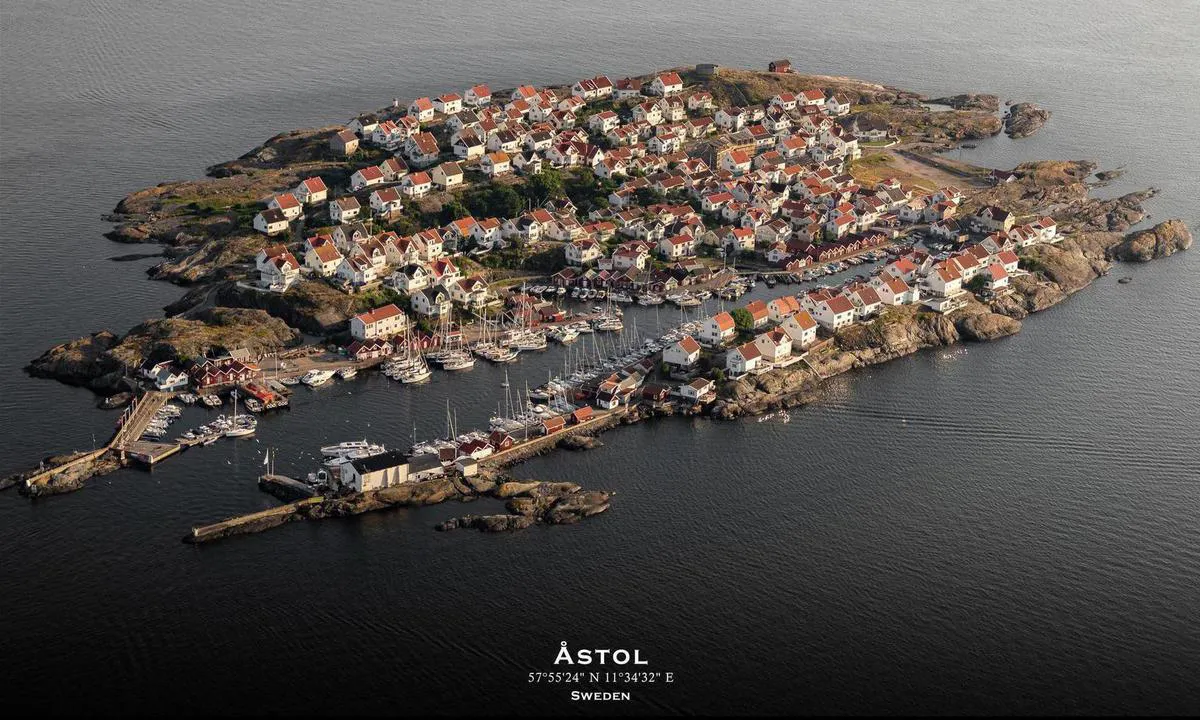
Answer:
[(565, 334), (317, 378), (350, 450)]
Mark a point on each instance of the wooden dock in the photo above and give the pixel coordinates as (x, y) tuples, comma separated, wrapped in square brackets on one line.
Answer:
[(149, 453)]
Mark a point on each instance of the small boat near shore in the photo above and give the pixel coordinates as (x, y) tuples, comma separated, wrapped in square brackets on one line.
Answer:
[(317, 378)]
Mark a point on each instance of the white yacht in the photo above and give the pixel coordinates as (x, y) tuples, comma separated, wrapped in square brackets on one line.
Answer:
[(316, 378)]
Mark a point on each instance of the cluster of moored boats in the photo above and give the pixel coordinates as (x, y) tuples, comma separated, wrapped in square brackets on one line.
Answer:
[(318, 377), (157, 428), (231, 426)]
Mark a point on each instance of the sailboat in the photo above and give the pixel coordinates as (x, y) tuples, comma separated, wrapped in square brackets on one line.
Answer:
[(413, 369), (243, 425)]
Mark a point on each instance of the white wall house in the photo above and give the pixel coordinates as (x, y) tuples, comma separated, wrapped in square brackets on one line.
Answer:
[(683, 354), (382, 322)]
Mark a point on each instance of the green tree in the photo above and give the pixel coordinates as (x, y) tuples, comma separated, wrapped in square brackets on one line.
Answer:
[(453, 210), (742, 318), (648, 196), (495, 200), (543, 186)]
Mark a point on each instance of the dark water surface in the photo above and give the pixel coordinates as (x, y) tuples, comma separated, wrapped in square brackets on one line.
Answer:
[(1008, 527)]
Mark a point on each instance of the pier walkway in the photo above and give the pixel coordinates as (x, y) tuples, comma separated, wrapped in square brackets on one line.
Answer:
[(136, 419)]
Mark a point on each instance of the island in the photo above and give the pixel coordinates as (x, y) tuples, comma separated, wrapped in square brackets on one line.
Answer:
[(482, 224)]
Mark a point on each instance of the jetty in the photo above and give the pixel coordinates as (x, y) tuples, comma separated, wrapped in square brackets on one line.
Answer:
[(124, 445), (252, 522)]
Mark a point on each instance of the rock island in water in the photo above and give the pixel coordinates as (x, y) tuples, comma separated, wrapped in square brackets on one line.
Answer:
[(450, 229)]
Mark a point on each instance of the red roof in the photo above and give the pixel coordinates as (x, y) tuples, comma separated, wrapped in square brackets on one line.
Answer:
[(840, 304), (370, 172), (749, 351), (314, 185), (804, 320), (380, 313), (286, 200), (724, 321), (689, 344)]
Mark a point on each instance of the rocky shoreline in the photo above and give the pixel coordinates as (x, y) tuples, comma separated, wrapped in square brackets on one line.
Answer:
[(1063, 269)]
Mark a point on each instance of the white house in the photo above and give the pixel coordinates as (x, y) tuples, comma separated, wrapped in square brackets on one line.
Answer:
[(736, 162), (357, 270), (676, 247), (387, 469), (418, 184), (774, 345), (834, 313), (801, 328), (944, 279), (718, 329), (743, 359), (279, 272), (311, 191), (992, 219), (582, 252), (322, 259), (478, 96), (494, 164), (385, 201), (366, 177), (271, 222), (683, 354), (431, 302), (996, 277), (410, 278), (603, 122), (448, 104), (382, 322), (667, 84), (421, 149), (447, 175), (421, 109), (287, 204), (894, 291), (345, 209), (781, 308), (697, 389)]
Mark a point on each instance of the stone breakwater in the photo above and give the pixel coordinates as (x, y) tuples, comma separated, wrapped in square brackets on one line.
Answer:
[(528, 503)]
